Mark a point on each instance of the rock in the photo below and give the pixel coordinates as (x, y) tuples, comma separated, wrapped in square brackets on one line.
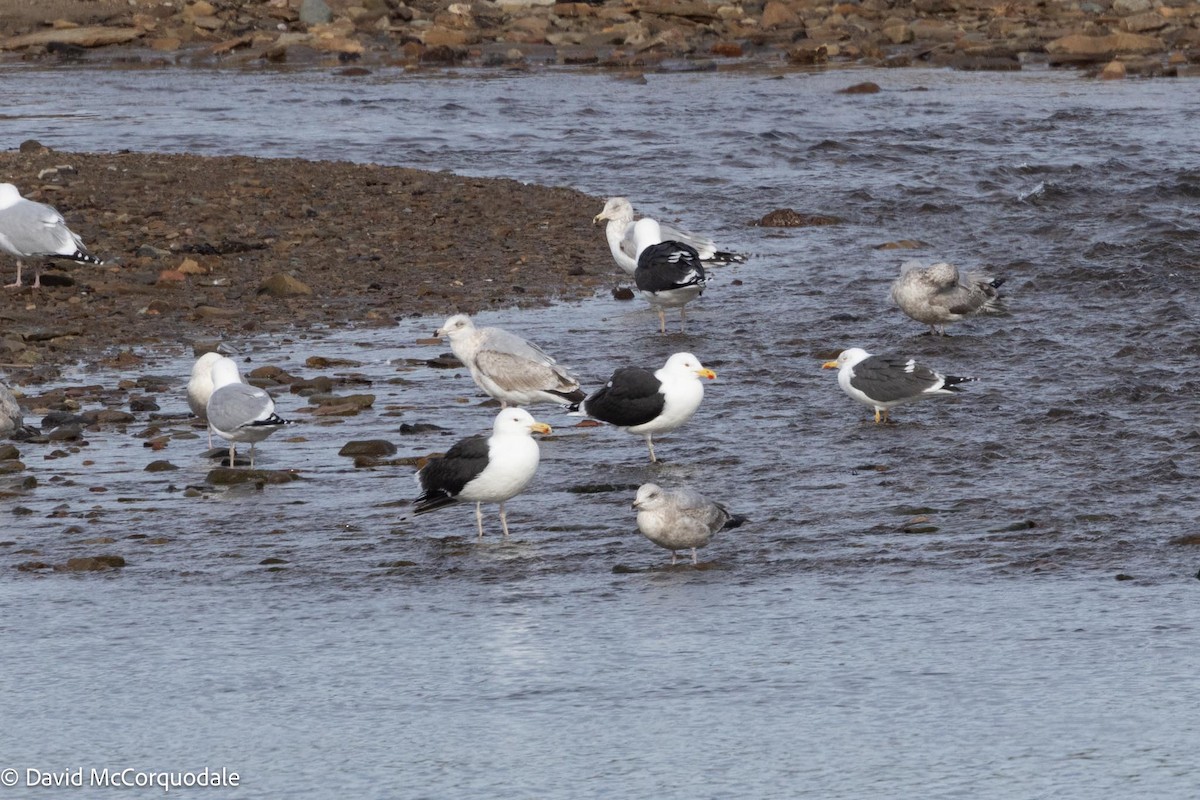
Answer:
[(1140, 23), (9, 452), (160, 466), (1131, 6), (409, 429), (107, 416), (368, 447), (866, 87), (91, 564), (788, 218), (283, 285), (315, 12), (227, 476), (1113, 71), (622, 293), (142, 404), (777, 15), (1080, 48), (86, 36), (897, 31)]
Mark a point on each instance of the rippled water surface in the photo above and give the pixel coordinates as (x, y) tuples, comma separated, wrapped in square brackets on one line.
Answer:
[(927, 609)]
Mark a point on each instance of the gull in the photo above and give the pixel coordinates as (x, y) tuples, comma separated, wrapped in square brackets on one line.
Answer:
[(668, 275), (36, 230), (644, 402), (514, 371), (936, 295), (886, 381), (200, 387), (680, 518), (618, 211), (239, 412), (480, 469)]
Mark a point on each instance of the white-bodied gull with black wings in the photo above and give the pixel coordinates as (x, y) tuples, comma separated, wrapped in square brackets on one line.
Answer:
[(886, 381), (29, 229), (936, 295), (669, 274), (680, 519), (618, 211), (239, 412), (511, 369), (644, 402), (484, 469)]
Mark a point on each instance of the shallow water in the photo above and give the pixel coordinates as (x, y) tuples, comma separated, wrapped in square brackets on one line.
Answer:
[(927, 608)]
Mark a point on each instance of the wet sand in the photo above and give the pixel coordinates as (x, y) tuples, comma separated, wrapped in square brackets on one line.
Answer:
[(200, 248)]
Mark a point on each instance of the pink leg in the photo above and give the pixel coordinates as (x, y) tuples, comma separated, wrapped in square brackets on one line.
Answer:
[(17, 282)]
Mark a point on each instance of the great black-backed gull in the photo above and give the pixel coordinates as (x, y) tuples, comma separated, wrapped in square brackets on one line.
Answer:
[(35, 230), (886, 381), (239, 412), (679, 519), (644, 402), (618, 211), (481, 469), (514, 371), (936, 295), (668, 274)]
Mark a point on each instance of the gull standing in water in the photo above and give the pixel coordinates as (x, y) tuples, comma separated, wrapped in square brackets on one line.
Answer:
[(936, 295), (886, 381), (514, 371), (679, 519), (239, 412), (618, 211), (668, 274)]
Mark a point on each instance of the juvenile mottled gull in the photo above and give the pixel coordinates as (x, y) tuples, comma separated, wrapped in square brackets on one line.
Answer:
[(619, 232), (10, 412), (668, 274), (200, 387), (936, 295), (514, 371), (682, 518), (239, 412), (481, 469), (886, 381), (645, 402), (36, 230)]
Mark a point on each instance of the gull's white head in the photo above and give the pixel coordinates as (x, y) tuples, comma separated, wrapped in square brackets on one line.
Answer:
[(518, 421), (204, 364), (645, 233), (649, 497), (847, 358), (224, 372), (458, 325), (9, 196), (686, 364), (618, 209)]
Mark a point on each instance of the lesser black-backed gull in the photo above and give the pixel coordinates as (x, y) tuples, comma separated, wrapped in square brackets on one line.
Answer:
[(481, 469), (679, 519), (886, 381), (514, 371), (239, 412), (29, 229), (936, 295), (618, 211), (644, 402), (668, 274)]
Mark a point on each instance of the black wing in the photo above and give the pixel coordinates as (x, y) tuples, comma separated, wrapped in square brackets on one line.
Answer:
[(891, 378), (668, 265), (632, 396), (443, 478)]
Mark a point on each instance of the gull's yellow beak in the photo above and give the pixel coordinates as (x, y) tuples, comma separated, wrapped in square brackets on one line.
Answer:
[(706, 373), (440, 333), (539, 427), (598, 218), (829, 365)]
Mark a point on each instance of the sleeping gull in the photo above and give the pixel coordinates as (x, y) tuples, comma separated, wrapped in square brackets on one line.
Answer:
[(619, 232), (668, 274), (36, 230), (200, 387), (681, 518), (239, 412), (936, 295), (883, 382), (10, 413), (514, 371), (640, 401), (481, 469)]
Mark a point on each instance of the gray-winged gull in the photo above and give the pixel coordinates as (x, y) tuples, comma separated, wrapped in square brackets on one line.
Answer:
[(618, 211), (679, 519), (886, 381), (936, 295), (10, 412), (35, 230), (514, 371), (239, 412), (669, 273), (644, 402), (481, 469)]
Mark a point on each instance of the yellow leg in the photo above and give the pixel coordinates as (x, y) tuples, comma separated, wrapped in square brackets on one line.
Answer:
[(877, 416)]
